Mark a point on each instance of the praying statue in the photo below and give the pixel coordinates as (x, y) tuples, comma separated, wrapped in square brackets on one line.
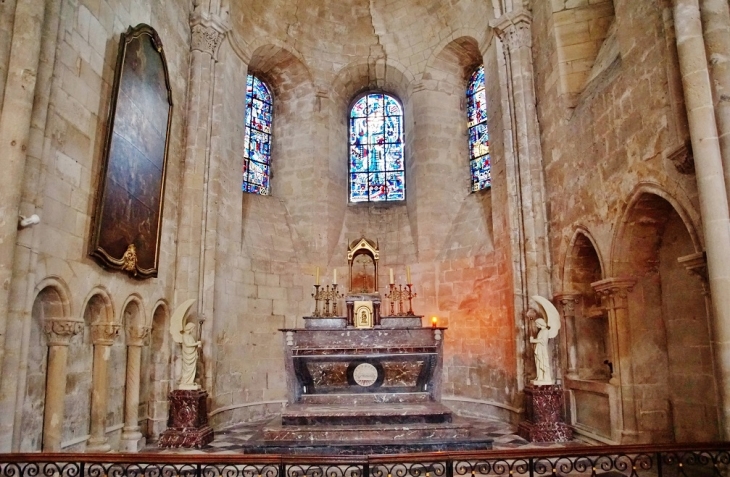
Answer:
[(546, 330), (183, 333)]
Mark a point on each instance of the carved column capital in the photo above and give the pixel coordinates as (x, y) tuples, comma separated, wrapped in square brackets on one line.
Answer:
[(208, 31), (136, 335), (104, 333), (696, 264), (514, 29), (568, 300), (60, 331), (614, 291)]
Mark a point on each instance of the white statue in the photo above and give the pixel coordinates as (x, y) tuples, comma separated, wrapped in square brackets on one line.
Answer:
[(182, 333), (546, 331)]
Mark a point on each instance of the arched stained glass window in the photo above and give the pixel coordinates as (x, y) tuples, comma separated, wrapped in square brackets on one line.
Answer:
[(377, 172), (257, 146), (476, 108)]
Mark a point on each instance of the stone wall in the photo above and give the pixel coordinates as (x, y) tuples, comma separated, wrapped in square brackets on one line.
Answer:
[(610, 175), (60, 183)]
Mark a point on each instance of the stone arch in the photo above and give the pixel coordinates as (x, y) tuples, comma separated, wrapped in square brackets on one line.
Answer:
[(582, 242), (136, 332), (358, 77), (99, 302), (51, 302), (588, 335), (464, 44), (667, 332), (621, 248)]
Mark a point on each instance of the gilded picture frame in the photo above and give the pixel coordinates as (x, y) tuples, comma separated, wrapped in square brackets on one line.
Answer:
[(127, 222)]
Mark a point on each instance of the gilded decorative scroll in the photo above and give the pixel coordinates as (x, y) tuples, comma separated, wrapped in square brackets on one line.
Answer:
[(128, 218)]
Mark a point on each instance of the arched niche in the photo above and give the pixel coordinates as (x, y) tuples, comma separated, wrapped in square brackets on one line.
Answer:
[(159, 371), (671, 368), (49, 303), (591, 340)]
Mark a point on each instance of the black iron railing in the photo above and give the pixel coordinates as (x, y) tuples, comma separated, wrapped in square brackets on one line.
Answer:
[(699, 460)]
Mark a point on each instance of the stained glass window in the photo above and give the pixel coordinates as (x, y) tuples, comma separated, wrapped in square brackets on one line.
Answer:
[(476, 108), (257, 145), (377, 172)]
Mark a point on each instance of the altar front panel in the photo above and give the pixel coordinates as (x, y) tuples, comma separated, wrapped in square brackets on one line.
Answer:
[(325, 362)]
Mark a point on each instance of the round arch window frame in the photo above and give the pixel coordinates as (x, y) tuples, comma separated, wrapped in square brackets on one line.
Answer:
[(348, 118), (267, 83)]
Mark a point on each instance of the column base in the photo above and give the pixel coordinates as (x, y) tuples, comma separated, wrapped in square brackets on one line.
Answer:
[(98, 445), (544, 420), (132, 441), (187, 424)]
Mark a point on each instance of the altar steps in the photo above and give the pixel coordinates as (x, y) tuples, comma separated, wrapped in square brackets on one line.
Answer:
[(365, 414), (358, 399)]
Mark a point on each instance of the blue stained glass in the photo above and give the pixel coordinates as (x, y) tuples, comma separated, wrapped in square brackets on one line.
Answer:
[(358, 109), (393, 158), (376, 146), (257, 137), (359, 187), (476, 110)]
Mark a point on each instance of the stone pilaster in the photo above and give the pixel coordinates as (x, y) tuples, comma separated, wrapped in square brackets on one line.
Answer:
[(102, 335), (59, 333), (197, 248), (15, 125), (132, 439), (711, 185), (525, 177), (568, 302), (715, 16), (614, 294)]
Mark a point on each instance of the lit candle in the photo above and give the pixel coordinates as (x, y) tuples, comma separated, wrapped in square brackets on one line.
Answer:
[(434, 322), (408, 274), (391, 277), (316, 276), (334, 277)]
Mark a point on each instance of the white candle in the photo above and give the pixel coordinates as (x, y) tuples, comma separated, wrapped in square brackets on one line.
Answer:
[(408, 274), (391, 277), (334, 277), (316, 277)]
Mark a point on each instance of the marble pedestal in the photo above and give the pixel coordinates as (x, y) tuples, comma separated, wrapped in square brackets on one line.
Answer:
[(187, 423), (544, 409)]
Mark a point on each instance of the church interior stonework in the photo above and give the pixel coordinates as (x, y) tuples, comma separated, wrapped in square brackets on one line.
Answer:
[(217, 160)]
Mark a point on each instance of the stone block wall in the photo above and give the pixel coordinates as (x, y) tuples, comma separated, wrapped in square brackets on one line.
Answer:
[(60, 183)]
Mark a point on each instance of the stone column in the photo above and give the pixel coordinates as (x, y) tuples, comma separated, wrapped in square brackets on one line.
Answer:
[(132, 438), (710, 184), (198, 220), (614, 294), (716, 24), (568, 301), (524, 171), (15, 124), (103, 335), (59, 333)]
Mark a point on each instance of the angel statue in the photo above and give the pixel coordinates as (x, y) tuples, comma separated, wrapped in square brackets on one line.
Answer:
[(182, 333), (546, 331)]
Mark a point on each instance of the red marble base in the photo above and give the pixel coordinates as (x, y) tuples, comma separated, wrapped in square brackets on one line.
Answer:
[(187, 422), (544, 413)]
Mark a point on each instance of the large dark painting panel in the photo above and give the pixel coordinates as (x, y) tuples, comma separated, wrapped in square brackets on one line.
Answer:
[(129, 209)]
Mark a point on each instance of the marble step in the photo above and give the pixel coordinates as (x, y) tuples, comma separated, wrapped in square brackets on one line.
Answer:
[(367, 448), (299, 414), (357, 399), (381, 434)]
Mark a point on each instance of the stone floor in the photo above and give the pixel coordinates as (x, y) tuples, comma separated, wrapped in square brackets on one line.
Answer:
[(231, 440)]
